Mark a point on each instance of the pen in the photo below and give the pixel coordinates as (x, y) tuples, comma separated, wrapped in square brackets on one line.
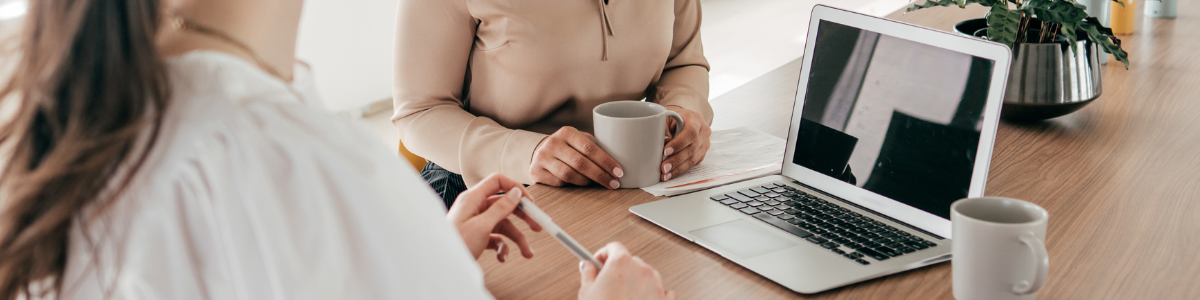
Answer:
[(543, 219)]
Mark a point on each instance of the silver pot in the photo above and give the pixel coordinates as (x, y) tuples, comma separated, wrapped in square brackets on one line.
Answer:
[(1046, 80), (1050, 80)]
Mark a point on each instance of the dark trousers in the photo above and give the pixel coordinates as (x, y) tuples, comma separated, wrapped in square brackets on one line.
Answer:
[(447, 184)]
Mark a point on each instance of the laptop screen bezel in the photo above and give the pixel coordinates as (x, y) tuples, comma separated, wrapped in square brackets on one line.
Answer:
[(998, 53)]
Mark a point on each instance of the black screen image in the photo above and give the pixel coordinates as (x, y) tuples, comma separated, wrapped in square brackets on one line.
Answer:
[(893, 116)]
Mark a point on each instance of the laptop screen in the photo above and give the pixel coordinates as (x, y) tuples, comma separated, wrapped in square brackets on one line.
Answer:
[(896, 117)]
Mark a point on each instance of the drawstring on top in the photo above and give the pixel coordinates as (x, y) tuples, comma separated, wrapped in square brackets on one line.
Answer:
[(605, 26)]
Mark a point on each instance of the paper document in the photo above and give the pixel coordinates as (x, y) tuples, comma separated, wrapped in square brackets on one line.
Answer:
[(734, 155)]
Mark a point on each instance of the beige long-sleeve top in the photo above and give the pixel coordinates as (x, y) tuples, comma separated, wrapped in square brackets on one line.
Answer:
[(479, 83)]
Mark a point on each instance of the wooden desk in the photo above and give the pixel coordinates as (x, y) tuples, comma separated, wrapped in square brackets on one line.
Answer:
[(1121, 179)]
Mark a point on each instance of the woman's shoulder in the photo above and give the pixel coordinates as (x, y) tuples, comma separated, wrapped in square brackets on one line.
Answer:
[(251, 194)]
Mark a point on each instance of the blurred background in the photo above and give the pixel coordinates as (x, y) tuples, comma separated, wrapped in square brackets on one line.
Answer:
[(349, 45)]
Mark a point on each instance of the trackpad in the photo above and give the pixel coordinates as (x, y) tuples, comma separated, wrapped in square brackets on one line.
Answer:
[(742, 239)]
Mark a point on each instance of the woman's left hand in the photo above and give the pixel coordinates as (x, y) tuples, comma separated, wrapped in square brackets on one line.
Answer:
[(687, 149), (481, 216)]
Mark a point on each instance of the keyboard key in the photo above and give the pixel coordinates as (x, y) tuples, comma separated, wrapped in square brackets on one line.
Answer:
[(854, 246), (772, 195), (861, 261), (772, 202), (815, 240), (755, 203), (888, 251), (819, 231), (775, 212), (842, 241), (718, 197), (872, 254), (740, 197), (749, 210), (729, 201), (748, 193), (854, 255), (760, 190), (838, 251), (781, 224), (906, 249), (738, 205), (829, 245), (829, 235)]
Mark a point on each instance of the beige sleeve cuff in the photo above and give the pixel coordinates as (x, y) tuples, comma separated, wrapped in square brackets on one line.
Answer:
[(516, 157)]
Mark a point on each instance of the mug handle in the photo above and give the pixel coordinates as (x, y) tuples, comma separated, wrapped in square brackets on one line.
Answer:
[(678, 121), (1043, 264)]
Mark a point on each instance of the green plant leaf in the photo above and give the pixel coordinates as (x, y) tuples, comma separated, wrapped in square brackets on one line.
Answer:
[(1104, 38), (1003, 24), (932, 3), (1068, 30)]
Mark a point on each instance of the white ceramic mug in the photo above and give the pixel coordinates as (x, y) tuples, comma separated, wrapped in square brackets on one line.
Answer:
[(998, 247), (632, 133)]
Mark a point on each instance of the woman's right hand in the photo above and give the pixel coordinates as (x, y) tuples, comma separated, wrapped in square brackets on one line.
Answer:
[(624, 277), (572, 156)]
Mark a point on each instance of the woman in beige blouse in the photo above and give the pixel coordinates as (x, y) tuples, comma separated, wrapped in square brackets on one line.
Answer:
[(491, 86)]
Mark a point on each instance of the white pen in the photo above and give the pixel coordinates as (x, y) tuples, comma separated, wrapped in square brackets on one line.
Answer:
[(543, 219)]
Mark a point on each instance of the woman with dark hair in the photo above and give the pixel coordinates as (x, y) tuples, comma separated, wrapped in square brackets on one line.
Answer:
[(176, 151)]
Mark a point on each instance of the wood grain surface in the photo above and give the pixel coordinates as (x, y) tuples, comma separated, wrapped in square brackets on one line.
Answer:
[(1120, 178)]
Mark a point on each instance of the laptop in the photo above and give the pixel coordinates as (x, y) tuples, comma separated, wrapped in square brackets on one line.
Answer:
[(891, 123)]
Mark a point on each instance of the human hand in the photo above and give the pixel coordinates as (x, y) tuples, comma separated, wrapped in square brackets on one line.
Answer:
[(481, 217), (624, 277), (687, 149), (572, 156)]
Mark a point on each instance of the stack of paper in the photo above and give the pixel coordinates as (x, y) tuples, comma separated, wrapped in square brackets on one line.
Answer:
[(734, 155)]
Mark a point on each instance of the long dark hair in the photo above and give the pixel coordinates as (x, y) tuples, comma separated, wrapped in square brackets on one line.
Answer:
[(91, 92)]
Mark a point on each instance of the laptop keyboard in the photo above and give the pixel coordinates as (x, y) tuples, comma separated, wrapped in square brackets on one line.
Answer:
[(823, 223)]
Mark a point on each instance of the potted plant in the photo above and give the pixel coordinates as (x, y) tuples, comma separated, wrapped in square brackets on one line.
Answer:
[(1055, 67)]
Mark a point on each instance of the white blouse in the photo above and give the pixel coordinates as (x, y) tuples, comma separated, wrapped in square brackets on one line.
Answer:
[(255, 192)]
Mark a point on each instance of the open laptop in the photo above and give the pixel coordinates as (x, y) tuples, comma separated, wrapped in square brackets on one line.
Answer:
[(891, 123)]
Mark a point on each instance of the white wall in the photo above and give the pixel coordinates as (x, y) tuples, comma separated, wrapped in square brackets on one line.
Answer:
[(349, 45)]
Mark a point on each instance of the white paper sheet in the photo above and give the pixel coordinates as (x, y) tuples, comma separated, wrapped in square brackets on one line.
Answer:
[(734, 155)]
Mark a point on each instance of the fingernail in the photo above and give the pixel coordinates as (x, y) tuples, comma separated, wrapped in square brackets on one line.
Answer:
[(666, 167), (581, 266), (514, 194), (668, 151), (668, 177), (618, 172), (614, 184)]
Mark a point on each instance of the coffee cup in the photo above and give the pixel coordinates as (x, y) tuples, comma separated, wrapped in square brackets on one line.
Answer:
[(632, 132), (998, 248)]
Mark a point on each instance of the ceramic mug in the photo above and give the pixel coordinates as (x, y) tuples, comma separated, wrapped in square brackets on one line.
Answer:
[(632, 132), (998, 248)]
